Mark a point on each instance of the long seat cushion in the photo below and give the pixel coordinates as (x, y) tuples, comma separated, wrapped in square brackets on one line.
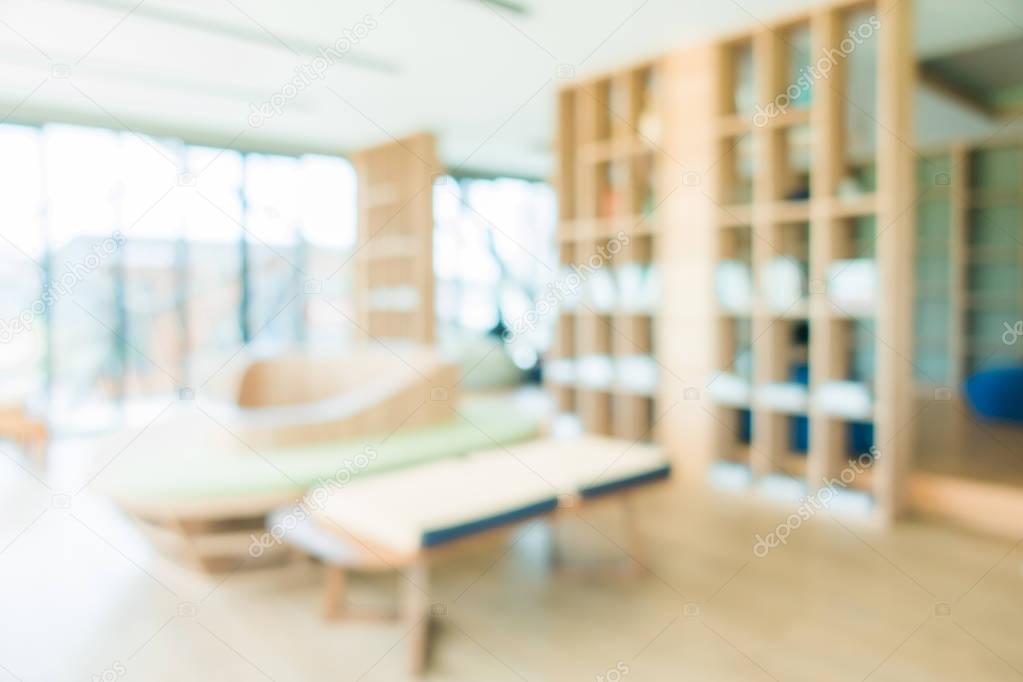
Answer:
[(192, 480), (436, 503)]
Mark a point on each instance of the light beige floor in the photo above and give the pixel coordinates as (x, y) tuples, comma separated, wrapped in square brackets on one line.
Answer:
[(83, 598)]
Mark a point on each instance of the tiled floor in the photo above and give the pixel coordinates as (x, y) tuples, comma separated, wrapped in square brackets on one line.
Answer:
[(82, 597)]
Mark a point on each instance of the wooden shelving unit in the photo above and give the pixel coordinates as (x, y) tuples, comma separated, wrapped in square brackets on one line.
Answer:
[(602, 365), (394, 258), (805, 226), (752, 355)]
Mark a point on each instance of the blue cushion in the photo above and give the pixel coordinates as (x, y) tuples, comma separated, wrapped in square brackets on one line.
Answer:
[(997, 394)]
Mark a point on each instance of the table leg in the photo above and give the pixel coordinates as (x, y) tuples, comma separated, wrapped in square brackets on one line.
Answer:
[(335, 593)]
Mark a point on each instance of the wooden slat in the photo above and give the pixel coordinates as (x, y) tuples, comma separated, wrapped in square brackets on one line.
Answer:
[(828, 359), (769, 429), (958, 239)]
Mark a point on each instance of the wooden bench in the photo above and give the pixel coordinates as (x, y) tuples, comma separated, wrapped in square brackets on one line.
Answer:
[(402, 520)]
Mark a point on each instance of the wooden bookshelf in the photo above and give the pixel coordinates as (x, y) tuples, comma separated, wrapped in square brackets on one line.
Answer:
[(394, 256), (787, 199), (797, 180), (602, 366)]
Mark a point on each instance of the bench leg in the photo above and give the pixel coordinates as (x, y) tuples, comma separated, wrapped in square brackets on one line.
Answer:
[(555, 557), (416, 614), (635, 549), (633, 536)]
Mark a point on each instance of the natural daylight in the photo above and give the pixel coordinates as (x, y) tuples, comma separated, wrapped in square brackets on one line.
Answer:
[(509, 340)]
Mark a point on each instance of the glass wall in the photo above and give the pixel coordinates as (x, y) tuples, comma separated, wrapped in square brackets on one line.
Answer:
[(494, 255), (133, 266)]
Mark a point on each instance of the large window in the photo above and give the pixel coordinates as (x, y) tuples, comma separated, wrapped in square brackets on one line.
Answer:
[(133, 266), (494, 255)]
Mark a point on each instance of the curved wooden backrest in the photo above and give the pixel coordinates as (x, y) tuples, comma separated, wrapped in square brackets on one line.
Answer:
[(296, 379)]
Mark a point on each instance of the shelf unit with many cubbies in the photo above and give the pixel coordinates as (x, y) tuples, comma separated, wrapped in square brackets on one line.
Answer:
[(394, 256), (807, 166), (602, 365)]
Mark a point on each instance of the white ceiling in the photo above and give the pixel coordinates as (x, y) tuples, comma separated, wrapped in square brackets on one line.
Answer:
[(480, 77)]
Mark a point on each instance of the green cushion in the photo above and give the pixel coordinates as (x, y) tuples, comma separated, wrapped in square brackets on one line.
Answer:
[(198, 474)]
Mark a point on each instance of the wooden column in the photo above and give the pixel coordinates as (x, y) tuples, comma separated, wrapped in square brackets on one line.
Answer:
[(895, 254), (686, 330)]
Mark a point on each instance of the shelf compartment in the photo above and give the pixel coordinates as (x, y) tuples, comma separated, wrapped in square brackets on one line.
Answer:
[(632, 335), (734, 434), (595, 409), (736, 159), (633, 417)]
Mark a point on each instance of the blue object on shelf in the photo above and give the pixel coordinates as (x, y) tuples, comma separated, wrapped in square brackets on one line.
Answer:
[(861, 438), (799, 427), (997, 394), (745, 426), (799, 434)]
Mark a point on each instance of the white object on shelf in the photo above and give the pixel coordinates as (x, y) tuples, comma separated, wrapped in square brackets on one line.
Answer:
[(637, 373), (852, 285), (650, 294), (734, 286), (729, 389), (401, 298), (561, 370), (783, 283), (630, 278), (601, 293), (846, 399), (595, 371), (570, 289), (783, 396)]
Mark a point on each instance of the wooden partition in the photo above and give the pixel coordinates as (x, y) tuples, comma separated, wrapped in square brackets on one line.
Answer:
[(394, 257), (784, 230), (815, 196)]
